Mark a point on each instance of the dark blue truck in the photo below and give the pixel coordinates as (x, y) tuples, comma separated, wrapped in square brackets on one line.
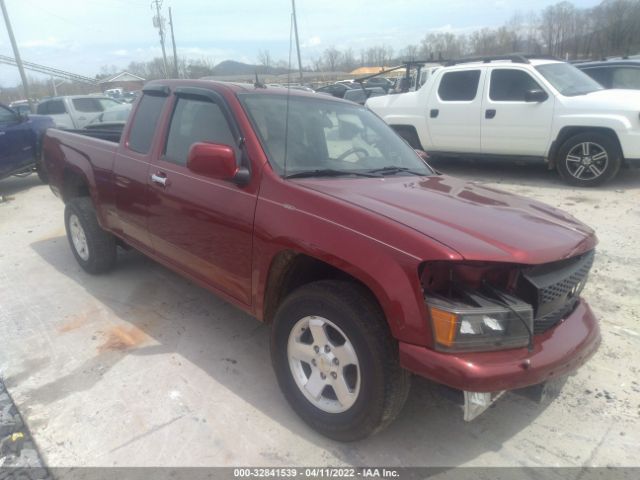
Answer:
[(20, 140)]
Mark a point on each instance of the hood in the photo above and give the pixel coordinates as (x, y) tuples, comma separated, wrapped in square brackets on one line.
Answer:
[(612, 100), (479, 222)]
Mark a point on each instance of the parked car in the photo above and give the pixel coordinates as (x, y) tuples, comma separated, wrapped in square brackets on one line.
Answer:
[(20, 141), (380, 82), (524, 110), (21, 107), (614, 73), (360, 95), (111, 119), (367, 264), (74, 111), (337, 89)]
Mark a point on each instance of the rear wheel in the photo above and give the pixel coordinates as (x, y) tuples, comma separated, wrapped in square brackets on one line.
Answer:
[(589, 159), (336, 361), (94, 248)]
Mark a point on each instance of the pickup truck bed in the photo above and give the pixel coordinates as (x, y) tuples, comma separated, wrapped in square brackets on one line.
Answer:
[(311, 214)]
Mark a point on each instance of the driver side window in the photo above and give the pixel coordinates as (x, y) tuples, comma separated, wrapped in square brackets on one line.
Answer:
[(511, 85)]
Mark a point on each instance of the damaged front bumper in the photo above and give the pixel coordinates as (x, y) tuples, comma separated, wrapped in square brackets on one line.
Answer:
[(484, 376)]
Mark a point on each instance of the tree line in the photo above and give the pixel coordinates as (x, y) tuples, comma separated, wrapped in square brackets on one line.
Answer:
[(612, 28)]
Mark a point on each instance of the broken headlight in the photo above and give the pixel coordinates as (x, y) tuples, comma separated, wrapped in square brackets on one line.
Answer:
[(474, 321)]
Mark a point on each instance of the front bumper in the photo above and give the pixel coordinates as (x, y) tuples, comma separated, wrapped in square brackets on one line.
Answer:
[(556, 353)]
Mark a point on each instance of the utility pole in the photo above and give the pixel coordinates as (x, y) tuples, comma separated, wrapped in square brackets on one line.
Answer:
[(173, 42), (16, 54), (158, 22), (295, 27)]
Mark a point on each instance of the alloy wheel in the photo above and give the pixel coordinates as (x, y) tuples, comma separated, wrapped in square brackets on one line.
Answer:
[(324, 364)]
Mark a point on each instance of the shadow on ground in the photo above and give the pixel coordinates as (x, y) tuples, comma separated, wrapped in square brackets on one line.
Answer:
[(12, 185), (232, 348)]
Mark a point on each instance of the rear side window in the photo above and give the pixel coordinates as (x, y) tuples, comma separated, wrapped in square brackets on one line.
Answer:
[(510, 85), (89, 105), (195, 120), (145, 121), (459, 86)]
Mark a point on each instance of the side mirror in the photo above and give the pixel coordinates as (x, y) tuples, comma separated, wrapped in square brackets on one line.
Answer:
[(212, 160), (536, 95)]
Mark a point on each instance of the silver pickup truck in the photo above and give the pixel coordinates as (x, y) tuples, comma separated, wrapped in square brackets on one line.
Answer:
[(75, 111)]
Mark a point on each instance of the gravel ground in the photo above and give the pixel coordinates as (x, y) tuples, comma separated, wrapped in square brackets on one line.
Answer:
[(141, 368), (19, 457)]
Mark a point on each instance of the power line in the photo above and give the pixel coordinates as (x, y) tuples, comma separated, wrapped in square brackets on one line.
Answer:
[(54, 72)]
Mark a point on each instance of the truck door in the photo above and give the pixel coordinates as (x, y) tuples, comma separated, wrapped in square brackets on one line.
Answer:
[(131, 168), (202, 225), (514, 120), (453, 112), (16, 142)]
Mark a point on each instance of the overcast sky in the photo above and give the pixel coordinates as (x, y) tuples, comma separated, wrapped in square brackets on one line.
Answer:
[(82, 35)]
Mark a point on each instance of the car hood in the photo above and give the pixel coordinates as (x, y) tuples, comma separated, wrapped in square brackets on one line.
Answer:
[(612, 100), (478, 222)]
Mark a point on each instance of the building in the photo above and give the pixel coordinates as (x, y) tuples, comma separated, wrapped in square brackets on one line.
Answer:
[(124, 80)]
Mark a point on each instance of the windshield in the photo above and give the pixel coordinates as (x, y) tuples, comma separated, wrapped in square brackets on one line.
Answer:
[(568, 80), (325, 135)]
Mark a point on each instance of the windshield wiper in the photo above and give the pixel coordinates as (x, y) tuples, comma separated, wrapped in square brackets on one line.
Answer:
[(393, 169), (327, 172)]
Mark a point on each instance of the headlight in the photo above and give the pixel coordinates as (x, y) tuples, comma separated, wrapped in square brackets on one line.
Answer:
[(477, 322)]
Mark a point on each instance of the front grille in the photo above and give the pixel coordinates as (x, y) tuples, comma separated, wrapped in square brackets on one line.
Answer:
[(553, 289)]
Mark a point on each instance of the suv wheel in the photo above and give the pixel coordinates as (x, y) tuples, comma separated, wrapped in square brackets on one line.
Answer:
[(94, 248), (336, 361), (589, 159)]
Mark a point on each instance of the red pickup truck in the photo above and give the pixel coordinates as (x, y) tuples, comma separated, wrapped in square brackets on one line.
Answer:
[(311, 214)]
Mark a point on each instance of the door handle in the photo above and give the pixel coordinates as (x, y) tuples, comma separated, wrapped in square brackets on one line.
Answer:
[(160, 179), (490, 113), (434, 113)]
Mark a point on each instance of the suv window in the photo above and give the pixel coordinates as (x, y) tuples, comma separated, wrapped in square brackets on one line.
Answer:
[(90, 105), (145, 121), (600, 75), (51, 107), (510, 85), (626, 77), (195, 121), (459, 86), (7, 116)]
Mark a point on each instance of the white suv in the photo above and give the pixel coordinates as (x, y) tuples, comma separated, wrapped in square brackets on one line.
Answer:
[(525, 109)]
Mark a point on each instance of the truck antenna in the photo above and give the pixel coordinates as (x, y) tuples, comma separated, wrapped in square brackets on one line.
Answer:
[(286, 118)]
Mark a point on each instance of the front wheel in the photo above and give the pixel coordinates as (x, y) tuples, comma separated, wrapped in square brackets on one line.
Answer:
[(93, 247), (589, 159), (336, 361)]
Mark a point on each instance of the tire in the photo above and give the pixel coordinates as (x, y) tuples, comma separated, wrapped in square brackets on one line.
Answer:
[(377, 387), (99, 252), (589, 159)]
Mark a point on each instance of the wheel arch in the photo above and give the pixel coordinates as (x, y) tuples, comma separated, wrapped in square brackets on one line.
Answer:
[(410, 134), (567, 132), (290, 269)]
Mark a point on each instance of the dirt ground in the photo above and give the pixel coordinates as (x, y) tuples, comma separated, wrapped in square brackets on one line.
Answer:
[(140, 367)]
